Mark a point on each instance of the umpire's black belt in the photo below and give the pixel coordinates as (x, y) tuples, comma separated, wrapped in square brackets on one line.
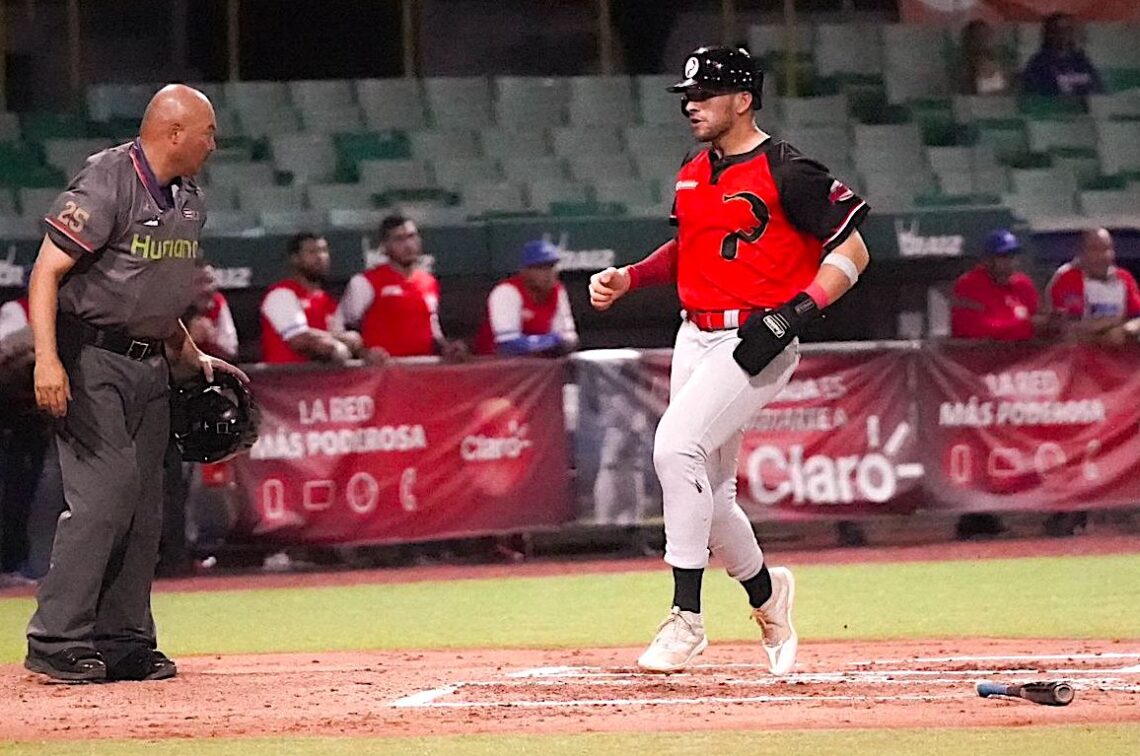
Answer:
[(112, 339)]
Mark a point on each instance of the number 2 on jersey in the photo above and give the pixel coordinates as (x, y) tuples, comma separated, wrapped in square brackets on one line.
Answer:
[(728, 245)]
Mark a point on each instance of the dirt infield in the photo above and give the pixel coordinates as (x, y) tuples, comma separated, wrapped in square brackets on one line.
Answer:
[(912, 684)]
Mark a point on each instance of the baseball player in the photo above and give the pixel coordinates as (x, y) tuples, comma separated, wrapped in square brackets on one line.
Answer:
[(116, 267), (766, 239), (529, 313), (299, 320)]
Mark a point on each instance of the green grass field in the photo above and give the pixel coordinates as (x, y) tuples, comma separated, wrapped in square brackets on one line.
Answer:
[(1071, 597)]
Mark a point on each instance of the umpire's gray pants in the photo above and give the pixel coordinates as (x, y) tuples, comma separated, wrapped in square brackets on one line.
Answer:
[(111, 444)]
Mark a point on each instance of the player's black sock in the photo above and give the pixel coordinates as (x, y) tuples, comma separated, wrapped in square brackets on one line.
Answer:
[(687, 589), (759, 588)]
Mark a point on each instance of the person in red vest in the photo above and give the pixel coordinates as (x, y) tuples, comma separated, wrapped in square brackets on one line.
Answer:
[(529, 313), (396, 304), (299, 320), (210, 322), (994, 300), (1092, 297)]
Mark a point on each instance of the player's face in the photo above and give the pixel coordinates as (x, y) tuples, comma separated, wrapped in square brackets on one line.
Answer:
[(541, 278), (1097, 253), (403, 244), (195, 139), (710, 114), (1001, 268), (312, 260)]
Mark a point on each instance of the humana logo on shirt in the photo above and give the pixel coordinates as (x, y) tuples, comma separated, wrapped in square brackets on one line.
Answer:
[(148, 248), (913, 244)]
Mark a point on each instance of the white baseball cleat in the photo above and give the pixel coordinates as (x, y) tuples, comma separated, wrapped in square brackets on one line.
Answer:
[(680, 639), (775, 619)]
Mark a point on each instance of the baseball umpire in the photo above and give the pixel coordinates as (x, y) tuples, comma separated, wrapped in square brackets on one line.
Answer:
[(114, 273), (766, 239)]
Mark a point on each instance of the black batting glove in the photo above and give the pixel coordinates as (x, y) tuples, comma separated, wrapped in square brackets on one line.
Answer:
[(764, 335)]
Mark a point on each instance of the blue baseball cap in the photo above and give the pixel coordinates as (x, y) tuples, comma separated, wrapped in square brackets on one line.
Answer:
[(538, 252), (1001, 242)]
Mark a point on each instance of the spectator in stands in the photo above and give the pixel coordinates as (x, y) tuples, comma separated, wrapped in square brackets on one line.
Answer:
[(1092, 298), (529, 313), (983, 70), (299, 320), (210, 322), (994, 300), (396, 303), (1060, 67)]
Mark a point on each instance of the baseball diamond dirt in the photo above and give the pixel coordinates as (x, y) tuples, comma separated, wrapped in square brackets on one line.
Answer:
[(886, 684)]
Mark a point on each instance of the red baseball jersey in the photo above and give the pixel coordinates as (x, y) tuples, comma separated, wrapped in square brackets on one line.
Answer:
[(13, 316), (225, 331), (753, 228), (289, 308), (512, 312), (984, 309), (1076, 296), (395, 312)]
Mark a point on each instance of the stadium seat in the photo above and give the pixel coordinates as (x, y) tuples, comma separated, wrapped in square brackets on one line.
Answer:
[(813, 111), (453, 173), (428, 216), (391, 103), (571, 141), (321, 94), (656, 106), (34, 203), (1083, 163), (1111, 203), (1112, 44), (1118, 143), (7, 202), (601, 101), (256, 101), (657, 165), (241, 174), (356, 219), (844, 49), (591, 168), (258, 199), (514, 143), (220, 197), (230, 223), (969, 108), (493, 197), (458, 102), (257, 123), (292, 221), (530, 101), (445, 144), (1117, 105), (673, 140), (768, 39), (1045, 135), (383, 175), (828, 144), (109, 101), (344, 119), (327, 197), (1006, 137), (1042, 194), (15, 227), (543, 193), (309, 157), (915, 62), (9, 127), (632, 193), (530, 168), (70, 155)]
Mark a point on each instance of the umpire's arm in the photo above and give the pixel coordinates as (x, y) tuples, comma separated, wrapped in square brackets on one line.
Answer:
[(51, 384)]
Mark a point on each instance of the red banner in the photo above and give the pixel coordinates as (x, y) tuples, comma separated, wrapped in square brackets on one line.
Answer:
[(996, 11), (406, 453), (1025, 427), (839, 439)]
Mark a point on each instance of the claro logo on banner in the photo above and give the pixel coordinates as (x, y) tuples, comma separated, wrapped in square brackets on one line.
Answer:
[(826, 449), (499, 444)]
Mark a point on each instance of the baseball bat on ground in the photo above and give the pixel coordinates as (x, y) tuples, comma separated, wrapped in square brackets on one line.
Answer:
[(1047, 693)]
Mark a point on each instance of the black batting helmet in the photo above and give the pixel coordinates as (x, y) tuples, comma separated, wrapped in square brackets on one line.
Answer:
[(721, 70), (213, 422)]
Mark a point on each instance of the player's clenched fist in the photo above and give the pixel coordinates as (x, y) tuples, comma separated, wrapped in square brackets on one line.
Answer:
[(607, 286)]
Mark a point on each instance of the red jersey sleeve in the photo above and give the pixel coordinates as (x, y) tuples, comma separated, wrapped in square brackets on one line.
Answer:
[(1066, 292), (660, 267), (1131, 293)]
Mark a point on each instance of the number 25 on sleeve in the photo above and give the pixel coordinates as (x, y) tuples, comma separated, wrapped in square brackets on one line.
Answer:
[(74, 216)]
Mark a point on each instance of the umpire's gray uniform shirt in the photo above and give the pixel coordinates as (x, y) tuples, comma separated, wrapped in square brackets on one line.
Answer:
[(135, 243)]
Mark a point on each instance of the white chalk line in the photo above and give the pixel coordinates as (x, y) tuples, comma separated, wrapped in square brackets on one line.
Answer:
[(587, 676)]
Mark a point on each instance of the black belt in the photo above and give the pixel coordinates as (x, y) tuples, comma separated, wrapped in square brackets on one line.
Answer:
[(112, 339)]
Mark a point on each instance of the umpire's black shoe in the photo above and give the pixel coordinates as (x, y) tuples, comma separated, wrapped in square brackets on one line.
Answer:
[(79, 665), (138, 663)]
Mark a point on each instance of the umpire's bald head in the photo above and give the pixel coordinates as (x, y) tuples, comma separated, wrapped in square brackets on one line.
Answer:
[(177, 131)]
